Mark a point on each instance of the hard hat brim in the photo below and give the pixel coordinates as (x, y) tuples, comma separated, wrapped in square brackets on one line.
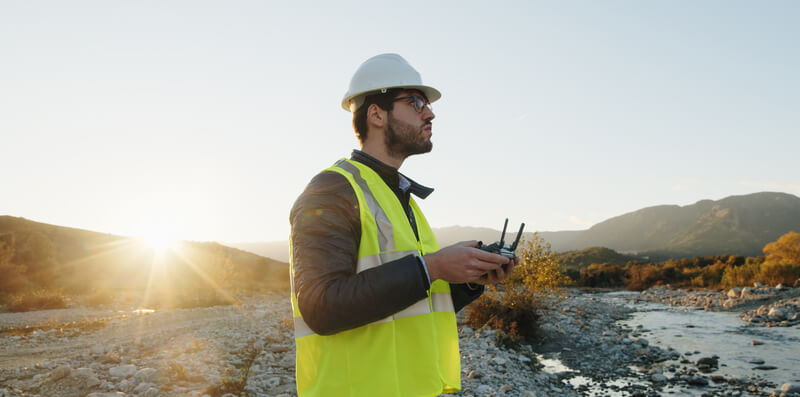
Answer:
[(352, 102)]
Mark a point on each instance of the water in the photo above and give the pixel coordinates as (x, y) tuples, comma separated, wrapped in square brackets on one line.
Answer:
[(726, 335), (688, 330)]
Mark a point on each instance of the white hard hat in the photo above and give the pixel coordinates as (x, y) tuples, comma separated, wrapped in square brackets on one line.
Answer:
[(380, 73)]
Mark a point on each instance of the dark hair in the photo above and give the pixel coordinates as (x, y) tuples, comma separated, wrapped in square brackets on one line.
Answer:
[(384, 101)]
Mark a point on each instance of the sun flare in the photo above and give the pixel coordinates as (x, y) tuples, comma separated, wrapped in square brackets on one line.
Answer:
[(160, 242)]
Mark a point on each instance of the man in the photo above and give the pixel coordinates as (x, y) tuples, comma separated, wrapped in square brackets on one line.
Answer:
[(373, 296)]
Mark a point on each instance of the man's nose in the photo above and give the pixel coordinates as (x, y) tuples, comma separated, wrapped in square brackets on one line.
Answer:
[(427, 114)]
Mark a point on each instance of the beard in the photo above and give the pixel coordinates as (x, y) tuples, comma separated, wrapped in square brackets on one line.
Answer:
[(403, 139)]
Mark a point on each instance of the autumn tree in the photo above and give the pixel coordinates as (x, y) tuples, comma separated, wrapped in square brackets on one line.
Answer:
[(784, 251)]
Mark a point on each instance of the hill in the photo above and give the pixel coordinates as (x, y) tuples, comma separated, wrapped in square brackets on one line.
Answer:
[(575, 260), (40, 255)]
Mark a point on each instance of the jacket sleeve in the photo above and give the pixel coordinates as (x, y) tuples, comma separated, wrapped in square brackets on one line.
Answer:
[(325, 236), (463, 295)]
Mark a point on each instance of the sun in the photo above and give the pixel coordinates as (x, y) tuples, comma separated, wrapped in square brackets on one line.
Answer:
[(160, 242), (159, 233)]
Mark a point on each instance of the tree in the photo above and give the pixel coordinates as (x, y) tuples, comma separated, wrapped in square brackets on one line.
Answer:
[(784, 251)]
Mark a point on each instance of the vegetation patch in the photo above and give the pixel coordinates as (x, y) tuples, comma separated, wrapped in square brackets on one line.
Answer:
[(512, 308)]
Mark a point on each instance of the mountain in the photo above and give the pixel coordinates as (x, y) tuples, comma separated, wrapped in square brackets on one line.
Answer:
[(79, 261), (733, 225), (739, 225)]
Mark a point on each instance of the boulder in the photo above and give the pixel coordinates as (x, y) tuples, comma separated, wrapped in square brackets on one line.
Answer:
[(790, 388), (60, 372), (122, 371), (746, 291), (734, 292), (146, 375), (777, 313)]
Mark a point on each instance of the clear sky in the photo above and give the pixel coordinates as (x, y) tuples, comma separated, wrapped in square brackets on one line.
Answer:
[(204, 120)]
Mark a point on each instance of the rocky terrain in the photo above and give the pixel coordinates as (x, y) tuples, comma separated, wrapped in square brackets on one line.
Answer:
[(249, 350), (760, 305)]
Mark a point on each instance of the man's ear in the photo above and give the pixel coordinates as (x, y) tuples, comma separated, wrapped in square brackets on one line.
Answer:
[(376, 116)]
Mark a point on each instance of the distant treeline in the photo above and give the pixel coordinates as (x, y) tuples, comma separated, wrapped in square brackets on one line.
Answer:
[(602, 268)]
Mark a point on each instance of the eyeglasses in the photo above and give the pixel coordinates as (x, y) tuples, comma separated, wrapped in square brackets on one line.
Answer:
[(417, 102)]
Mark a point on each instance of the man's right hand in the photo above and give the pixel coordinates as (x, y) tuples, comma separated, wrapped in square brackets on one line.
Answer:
[(463, 263)]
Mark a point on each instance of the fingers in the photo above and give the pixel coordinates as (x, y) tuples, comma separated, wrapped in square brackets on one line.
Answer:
[(469, 243)]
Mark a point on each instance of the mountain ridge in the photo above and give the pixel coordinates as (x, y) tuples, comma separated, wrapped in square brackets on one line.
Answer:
[(737, 224)]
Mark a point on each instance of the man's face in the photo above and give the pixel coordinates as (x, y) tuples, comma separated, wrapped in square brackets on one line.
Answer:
[(409, 132)]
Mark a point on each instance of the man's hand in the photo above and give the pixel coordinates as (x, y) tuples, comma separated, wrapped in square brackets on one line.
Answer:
[(464, 263), (499, 275)]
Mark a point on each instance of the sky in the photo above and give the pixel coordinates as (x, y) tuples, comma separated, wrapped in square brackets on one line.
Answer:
[(204, 120)]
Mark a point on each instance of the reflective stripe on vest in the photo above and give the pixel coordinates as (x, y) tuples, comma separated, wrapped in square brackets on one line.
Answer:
[(413, 352)]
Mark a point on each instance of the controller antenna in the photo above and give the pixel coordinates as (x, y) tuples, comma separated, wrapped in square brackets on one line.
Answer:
[(519, 234), (503, 236)]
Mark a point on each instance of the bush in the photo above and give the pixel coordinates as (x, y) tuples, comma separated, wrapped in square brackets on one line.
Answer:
[(513, 310), (738, 276), (514, 314), (775, 273), (36, 300)]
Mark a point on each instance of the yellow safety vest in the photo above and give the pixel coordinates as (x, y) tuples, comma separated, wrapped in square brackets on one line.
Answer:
[(413, 352)]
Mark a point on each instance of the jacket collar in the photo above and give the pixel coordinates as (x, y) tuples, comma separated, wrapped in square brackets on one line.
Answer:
[(390, 175)]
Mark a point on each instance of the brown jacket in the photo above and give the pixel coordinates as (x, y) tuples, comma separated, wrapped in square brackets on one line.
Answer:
[(326, 233)]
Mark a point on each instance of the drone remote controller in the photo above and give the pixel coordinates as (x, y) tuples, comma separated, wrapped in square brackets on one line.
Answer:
[(499, 247)]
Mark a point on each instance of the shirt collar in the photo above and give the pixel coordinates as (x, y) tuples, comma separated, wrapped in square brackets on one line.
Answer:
[(391, 175)]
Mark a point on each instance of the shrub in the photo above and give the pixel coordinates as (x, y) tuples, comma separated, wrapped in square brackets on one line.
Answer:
[(738, 276), (513, 311), (775, 273), (513, 314), (36, 300)]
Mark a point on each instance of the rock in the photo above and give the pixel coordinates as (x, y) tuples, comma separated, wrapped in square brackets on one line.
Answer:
[(112, 394), (658, 378), (60, 372), (642, 342), (781, 287), (697, 381), (274, 382), (756, 343), (528, 393), (122, 371), (757, 361), (475, 374), (790, 388), (84, 372), (506, 388), (758, 285), (142, 387), (146, 375), (777, 313), (765, 367), (98, 349), (151, 392), (746, 291), (484, 390), (734, 292), (709, 361), (499, 361)]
